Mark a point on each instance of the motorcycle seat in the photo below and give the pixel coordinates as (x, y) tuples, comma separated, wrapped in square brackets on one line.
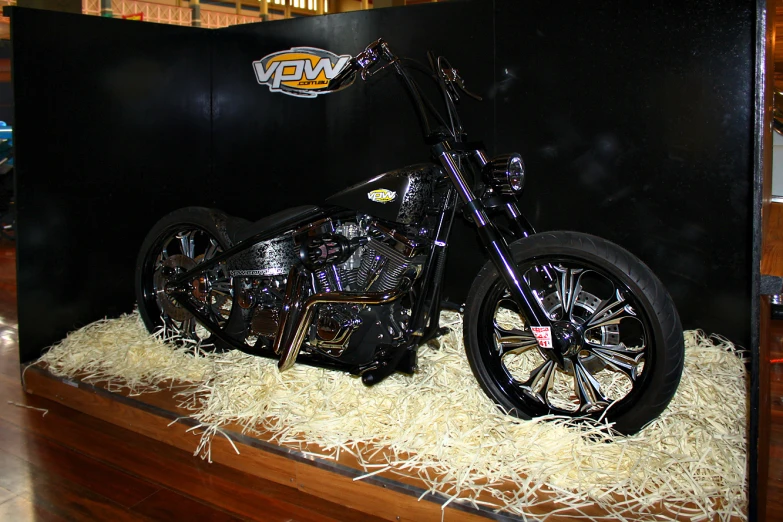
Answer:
[(282, 219)]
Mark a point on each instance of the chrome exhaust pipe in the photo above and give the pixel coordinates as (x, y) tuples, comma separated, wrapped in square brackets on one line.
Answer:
[(292, 307), (297, 317)]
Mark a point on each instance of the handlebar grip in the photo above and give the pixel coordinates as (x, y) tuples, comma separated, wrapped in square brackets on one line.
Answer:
[(345, 77), (361, 62)]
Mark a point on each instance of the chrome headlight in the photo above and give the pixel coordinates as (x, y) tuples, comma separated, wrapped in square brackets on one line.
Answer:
[(506, 173)]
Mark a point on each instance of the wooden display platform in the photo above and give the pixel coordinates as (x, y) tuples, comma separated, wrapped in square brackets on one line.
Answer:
[(156, 415), (385, 495)]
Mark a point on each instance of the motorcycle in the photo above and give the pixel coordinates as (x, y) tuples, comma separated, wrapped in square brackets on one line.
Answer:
[(560, 323)]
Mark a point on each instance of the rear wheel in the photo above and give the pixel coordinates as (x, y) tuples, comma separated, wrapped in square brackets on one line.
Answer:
[(179, 242), (625, 353)]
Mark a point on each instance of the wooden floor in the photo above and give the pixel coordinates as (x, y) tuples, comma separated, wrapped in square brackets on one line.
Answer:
[(772, 340), (69, 466), (775, 485)]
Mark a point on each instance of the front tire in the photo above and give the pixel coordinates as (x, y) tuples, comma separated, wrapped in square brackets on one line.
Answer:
[(628, 360)]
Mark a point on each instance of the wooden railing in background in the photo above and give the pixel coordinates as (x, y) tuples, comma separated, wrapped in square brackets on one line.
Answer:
[(778, 45), (5, 26), (3, 3), (91, 7), (163, 14), (216, 20), (166, 14)]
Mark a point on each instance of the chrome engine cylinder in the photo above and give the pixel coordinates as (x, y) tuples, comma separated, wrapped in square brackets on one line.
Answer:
[(329, 279), (382, 267)]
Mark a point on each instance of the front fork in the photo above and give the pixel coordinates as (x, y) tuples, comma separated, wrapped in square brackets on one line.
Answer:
[(495, 244)]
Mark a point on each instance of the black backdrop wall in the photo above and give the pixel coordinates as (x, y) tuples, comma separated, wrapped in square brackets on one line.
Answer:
[(112, 127), (636, 122)]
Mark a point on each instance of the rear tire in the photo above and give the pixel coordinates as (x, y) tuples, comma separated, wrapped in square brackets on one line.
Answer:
[(177, 243), (627, 364)]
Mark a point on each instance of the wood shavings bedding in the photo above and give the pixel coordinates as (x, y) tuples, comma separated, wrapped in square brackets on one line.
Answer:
[(439, 426)]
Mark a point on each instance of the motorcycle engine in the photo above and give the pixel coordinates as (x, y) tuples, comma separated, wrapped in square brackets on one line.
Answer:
[(358, 256)]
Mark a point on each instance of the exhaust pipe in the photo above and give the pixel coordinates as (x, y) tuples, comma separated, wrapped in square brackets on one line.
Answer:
[(296, 316)]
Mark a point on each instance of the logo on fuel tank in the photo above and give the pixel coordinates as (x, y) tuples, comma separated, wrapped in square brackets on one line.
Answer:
[(300, 71), (382, 195)]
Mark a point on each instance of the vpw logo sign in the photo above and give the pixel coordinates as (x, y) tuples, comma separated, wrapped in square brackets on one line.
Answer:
[(301, 71)]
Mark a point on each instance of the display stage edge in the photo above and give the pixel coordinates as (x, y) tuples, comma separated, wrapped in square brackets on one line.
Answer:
[(340, 480), (156, 415)]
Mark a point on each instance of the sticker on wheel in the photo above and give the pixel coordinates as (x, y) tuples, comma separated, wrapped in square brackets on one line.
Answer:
[(543, 336)]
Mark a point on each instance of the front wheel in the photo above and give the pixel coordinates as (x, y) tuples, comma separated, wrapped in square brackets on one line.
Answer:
[(626, 359)]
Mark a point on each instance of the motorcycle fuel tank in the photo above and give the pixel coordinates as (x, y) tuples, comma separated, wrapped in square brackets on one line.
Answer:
[(401, 195)]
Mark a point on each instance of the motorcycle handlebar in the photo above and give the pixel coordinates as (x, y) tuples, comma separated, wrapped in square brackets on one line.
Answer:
[(372, 53), (344, 77), (363, 64)]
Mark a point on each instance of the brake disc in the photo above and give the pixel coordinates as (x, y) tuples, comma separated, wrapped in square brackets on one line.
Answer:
[(203, 286), (168, 305)]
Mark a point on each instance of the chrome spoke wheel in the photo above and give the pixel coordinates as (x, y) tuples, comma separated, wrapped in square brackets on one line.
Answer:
[(616, 350), (179, 251), (602, 364)]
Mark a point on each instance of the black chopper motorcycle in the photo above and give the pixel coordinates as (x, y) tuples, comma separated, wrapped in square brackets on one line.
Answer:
[(559, 323)]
